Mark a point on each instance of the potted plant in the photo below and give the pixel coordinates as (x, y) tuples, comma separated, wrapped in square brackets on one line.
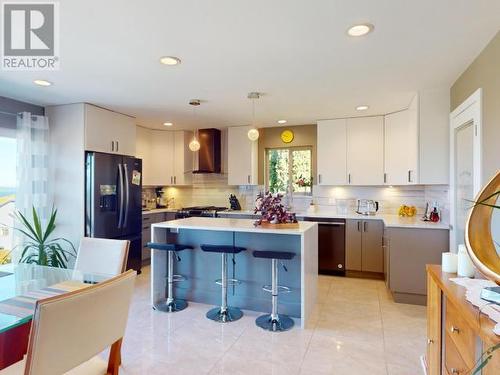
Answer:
[(39, 247), (273, 212)]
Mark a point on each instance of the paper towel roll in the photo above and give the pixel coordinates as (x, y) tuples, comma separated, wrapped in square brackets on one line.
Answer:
[(449, 262), (465, 266)]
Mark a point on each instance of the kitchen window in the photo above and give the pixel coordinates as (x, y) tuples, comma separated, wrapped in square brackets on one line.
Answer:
[(289, 168)]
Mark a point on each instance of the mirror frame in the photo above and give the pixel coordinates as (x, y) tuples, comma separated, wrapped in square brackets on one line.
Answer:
[(478, 236)]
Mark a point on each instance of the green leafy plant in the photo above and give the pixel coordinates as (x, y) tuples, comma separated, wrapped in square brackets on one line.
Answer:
[(40, 248)]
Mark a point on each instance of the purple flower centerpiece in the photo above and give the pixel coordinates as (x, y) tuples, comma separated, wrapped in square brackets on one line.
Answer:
[(272, 210)]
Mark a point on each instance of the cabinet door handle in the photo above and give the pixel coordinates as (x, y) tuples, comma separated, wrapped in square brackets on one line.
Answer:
[(117, 146), (175, 180), (430, 341), (454, 371), (385, 178), (171, 180), (319, 178), (349, 178), (365, 224), (248, 178), (112, 145), (409, 176), (454, 329), (359, 226)]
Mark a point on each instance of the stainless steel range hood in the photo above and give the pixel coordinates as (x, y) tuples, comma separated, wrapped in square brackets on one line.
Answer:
[(208, 158)]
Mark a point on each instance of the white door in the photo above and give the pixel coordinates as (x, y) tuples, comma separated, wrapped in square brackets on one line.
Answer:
[(365, 151), (465, 166), (332, 152)]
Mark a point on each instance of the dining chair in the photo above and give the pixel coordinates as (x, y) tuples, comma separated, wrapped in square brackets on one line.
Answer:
[(102, 256), (70, 330)]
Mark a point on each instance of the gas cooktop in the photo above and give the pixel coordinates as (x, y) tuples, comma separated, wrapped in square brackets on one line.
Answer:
[(206, 211)]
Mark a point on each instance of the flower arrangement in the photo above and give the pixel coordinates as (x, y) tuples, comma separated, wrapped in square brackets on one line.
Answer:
[(272, 210), (303, 181)]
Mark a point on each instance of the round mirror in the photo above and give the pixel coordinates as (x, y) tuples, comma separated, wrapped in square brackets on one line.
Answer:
[(482, 232)]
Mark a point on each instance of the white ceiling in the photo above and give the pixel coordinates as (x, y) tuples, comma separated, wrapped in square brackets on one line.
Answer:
[(295, 52)]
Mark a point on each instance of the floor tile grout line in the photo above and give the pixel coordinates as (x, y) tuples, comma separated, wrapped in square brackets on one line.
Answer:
[(383, 331)]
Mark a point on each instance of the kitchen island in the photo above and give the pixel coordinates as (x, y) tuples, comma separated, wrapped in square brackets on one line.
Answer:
[(202, 269)]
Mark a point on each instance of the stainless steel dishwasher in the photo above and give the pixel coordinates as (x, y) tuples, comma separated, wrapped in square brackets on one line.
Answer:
[(331, 245)]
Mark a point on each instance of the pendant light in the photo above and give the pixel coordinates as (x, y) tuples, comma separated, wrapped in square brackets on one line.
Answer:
[(253, 134), (194, 145)]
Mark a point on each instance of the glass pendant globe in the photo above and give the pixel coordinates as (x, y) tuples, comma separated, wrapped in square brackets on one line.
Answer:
[(194, 145), (253, 134)]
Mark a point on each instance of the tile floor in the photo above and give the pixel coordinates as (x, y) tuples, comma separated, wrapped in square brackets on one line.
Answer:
[(357, 329)]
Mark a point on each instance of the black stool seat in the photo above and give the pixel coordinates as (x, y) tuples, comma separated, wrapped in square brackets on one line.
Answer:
[(168, 246), (285, 255), (225, 249)]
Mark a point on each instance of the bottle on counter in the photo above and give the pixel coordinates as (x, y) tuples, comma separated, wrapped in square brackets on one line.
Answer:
[(434, 215)]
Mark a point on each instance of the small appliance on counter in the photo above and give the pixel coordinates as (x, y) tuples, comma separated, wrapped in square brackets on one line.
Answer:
[(234, 203), (367, 207)]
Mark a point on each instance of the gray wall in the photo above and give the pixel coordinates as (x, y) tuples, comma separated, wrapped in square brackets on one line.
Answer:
[(11, 107), (484, 72)]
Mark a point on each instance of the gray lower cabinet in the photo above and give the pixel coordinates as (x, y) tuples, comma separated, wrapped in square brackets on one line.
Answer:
[(147, 220), (364, 251), (408, 250)]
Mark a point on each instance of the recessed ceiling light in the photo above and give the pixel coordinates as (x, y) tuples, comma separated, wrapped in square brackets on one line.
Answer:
[(360, 30), (167, 123), (362, 108), (170, 60), (281, 121), (42, 82)]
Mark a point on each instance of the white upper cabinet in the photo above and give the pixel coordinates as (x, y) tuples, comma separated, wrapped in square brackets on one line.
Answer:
[(242, 164), (143, 151), (401, 146), (365, 151), (108, 131), (182, 158), (434, 136), (165, 155), (332, 152), (162, 145)]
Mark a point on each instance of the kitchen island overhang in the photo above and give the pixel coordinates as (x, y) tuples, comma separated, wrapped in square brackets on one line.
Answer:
[(202, 269)]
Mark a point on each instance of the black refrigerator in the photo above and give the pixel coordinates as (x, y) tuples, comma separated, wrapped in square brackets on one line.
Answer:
[(113, 201)]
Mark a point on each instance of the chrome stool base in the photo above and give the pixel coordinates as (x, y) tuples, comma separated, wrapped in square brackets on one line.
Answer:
[(230, 315), (174, 306), (283, 323)]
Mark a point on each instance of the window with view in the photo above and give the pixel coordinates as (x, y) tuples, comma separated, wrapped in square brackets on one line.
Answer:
[(7, 193), (289, 168)]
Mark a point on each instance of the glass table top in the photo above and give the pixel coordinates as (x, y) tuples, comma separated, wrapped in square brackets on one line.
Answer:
[(21, 285)]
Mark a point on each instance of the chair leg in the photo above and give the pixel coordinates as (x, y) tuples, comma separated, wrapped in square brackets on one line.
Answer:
[(224, 313), (115, 358), (274, 322)]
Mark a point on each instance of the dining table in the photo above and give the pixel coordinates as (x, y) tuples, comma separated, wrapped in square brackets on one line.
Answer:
[(21, 286)]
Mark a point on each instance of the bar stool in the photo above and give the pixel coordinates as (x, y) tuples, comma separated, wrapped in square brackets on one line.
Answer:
[(224, 313), (171, 304), (275, 322)]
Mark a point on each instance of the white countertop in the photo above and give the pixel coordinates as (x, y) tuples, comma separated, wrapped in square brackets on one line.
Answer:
[(230, 225), (158, 211), (390, 220)]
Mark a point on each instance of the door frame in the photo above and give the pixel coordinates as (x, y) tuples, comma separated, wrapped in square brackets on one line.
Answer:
[(469, 111)]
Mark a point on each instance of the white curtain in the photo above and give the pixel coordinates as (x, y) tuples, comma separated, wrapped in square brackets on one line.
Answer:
[(32, 188)]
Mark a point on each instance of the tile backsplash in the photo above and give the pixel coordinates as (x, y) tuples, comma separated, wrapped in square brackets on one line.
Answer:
[(212, 189)]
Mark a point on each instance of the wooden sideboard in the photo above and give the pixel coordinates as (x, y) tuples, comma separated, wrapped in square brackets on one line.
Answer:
[(457, 333)]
